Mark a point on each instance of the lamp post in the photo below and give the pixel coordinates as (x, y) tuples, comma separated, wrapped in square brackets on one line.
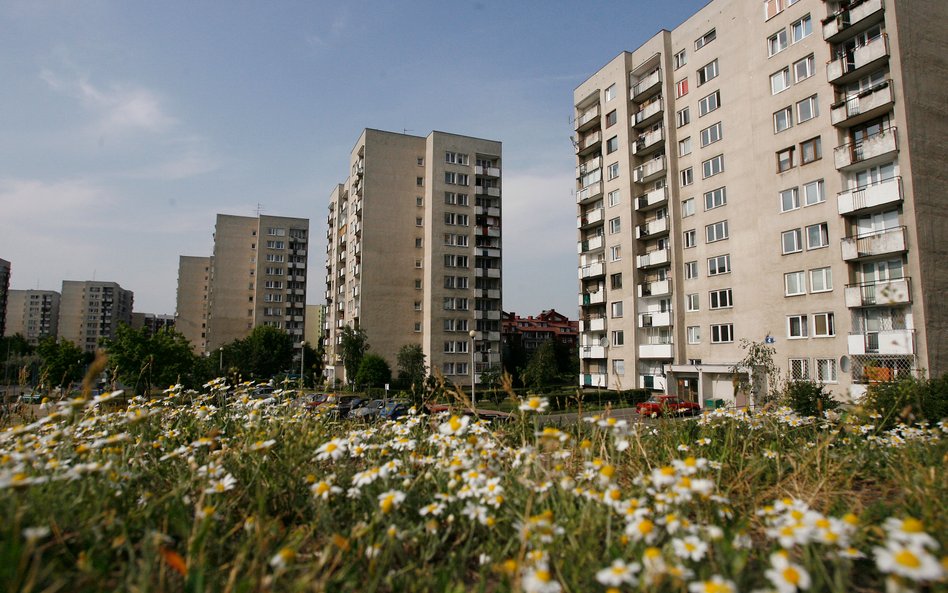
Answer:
[(473, 333), (222, 360), (302, 359)]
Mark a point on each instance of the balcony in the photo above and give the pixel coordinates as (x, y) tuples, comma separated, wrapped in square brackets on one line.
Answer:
[(588, 118), (868, 104), (589, 143), (587, 352), (647, 86), (588, 299), (656, 351), (873, 244), (656, 319), (487, 210), (490, 231), (863, 59), (655, 289), (495, 315), (658, 257), (858, 15), (591, 217), (487, 272), (589, 193), (487, 171), (592, 324), (649, 171), (593, 244), (868, 151), (884, 193), (893, 341), (489, 191), (487, 252), (592, 380), (653, 199), (588, 166), (649, 142), (652, 228), (885, 293), (654, 382), (649, 113), (592, 271)]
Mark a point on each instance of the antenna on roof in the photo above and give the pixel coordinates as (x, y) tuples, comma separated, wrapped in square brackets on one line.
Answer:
[(259, 208), (405, 131), (573, 141)]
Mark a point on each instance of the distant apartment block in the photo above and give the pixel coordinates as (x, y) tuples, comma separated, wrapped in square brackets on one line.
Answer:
[(90, 311), (194, 275), (766, 171), (414, 250), (532, 332), (315, 319), (4, 291), (152, 322), (34, 314)]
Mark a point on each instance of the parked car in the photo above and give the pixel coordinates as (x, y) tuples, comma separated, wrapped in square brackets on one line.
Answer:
[(667, 405), (483, 414), (345, 404), (369, 411), (394, 410), (317, 400)]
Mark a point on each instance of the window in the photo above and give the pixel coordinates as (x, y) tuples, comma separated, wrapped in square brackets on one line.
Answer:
[(684, 117), (276, 257), (780, 81), (716, 232), (687, 177), (455, 158), (821, 280), (792, 241), (801, 29), (796, 326), (615, 225), (276, 245), (419, 201), (450, 177), (722, 333), (705, 39), (690, 238), (721, 299), (614, 197), (804, 68), (785, 160), (618, 338), (615, 253), (681, 88), (799, 369), (811, 150), (454, 219), (712, 166), (715, 198), (691, 270), (419, 221), (824, 325), (817, 236), (789, 199), (783, 120), (684, 146), (694, 334), (708, 72), (687, 207), (794, 283), (709, 103), (711, 134), (777, 42), (419, 242), (680, 59), (807, 109), (813, 193), (418, 283), (719, 264), (826, 370), (617, 309), (618, 367), (610, 93), (692, 302), (611, 118), (276, 232), (615, 280), (612, 171), (612, 145), (419, 181)]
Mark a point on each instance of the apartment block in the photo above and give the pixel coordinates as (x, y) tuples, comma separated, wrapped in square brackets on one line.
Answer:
[(90, 311), (772, 172), (532, 332), (414, 251), (152, 322), (4, 292), (34, 314), (194, 275)]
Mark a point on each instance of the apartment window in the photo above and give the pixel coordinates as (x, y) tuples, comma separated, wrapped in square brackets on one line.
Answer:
[(708, 72), (618, 367), (807, 109), (276, 257), (611, 118), (419, 221), (801, 29), (804, 68), (817, 236), (813, 193), (684, 117), (711, 134), (692, 302), (811, 150), (610, 93), (722, 333), (824, 325), (821, 280), (684, 146), (617, 309), (687, 176), (709, 103), (777, 42), (448, 282), (694, 334), (789, 199), (612, 145), (691, 270), (612, 172), (615, 253), (615, 280), (417, 326), (715, 198), (461, 282), (456, 158), (419, 181), (418, 285), (796, 326), (614, 197), (680, 59), (615, 225), (705, 39), (681, 88), (785, 160), (780, 81), (799, 369), (690, 238), (618, 338), (450, 197), (792, 241), (451, 177), (276, 232), (454, 219), (276, 245), (794, 283), (712, 166), (687, 207), (419, 242), (826, 370), (783, 119), (719, 264), (721, 299), (716, 232)]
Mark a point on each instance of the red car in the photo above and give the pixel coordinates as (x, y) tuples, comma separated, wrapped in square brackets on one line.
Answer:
[(667, 404)]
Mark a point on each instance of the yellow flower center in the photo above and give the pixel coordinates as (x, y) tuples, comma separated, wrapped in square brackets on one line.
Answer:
[(652, 553), (646, 527), (322, 488), (607, 471), (912, 525), (907, 558), (791, 575), (387, 504), (331, 447), (454, 423), (543, 575)]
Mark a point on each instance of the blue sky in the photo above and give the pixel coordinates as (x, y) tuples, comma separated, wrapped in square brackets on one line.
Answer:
[(127, 125)]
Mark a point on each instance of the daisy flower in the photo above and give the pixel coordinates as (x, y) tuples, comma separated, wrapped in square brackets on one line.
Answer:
[(535, 404), (618, 573), (389, 501), (334, 449), (786, 576), (538, 579), (908, 560)]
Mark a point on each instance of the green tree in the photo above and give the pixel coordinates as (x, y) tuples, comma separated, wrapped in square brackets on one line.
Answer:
[(141, 360), (909, 399), (412, 369), (764, 381), (15, 352), (373, 371), (266, 352), (354, 343), (541, 371), (63, 362), (808, 398)]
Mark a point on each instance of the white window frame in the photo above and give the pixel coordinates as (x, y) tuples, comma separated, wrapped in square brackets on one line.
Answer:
[(801, 29), (690, 238), (791, 278), (799, 369), (711, 134), (797, 327), (616, 309), (822, 235), (692, 302), (829, 325), (822, 278), (792, 194), (809, 68), (687, 176), (618, 337), (687, 207), (777, 42), (780, 80), (691, 270), (612, 171), (614, 198), (684, 146), (683, 116), (707, 73), (783, 119), (713, 166), (709, 103), (694, 334), (610, 93), (722, 298), (615, 225), (722, 333), (615, 253), (813, 109), (715, 198), (716, 231), (681, 88), (826, 370), (797, 246), (705, 39), (816, 190), (719, 264), (680, 59)]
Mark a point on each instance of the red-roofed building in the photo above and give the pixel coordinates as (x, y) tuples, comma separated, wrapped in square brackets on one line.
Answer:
[(531, 331)]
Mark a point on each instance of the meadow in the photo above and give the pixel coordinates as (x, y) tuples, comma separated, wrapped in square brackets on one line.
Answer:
[(224, 491)]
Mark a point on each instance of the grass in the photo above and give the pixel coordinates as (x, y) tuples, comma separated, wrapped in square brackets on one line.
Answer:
[(219, 491)]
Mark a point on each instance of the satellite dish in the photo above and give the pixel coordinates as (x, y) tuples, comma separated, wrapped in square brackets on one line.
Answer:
[(844, 363)]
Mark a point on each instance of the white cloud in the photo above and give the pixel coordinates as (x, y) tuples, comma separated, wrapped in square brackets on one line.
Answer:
[(30, 204), (337, 29)]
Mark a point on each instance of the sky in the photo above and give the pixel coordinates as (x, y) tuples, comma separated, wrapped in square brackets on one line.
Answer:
[(126, 125)]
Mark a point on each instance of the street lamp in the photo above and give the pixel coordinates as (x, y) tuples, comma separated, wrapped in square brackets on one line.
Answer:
[(302, 358), (222, 360), (473, 333)]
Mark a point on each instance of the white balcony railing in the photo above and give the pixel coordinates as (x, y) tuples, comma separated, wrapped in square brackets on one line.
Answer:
[(648, 111), (589, 192), (649, 170), (863, 106), (656, 351), (592, 270), (881, 144), (652, 198), (888, 191), (654, 258), (844, 20), (591, 244), (592, 380), (591, 217), (656, 288), (873, 244), (893, 342), (656, 319), (587, 299), (647, 82), (882, 293), (653, 227), (847, 66), (587, 116), (648, 140)]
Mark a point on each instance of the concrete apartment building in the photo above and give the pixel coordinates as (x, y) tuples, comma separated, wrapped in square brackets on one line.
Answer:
[(90, 311), (532, 332), (4, 292), (257, 276), (769, 171), (34, 314), (153, 322), (414, 251)]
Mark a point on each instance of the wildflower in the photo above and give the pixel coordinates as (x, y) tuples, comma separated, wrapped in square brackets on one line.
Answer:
[(908, 560), (539, 580), (325, 488), (642, 529), (454, 425), (435, 508), (786, 576), (282, 558), (334, 449), (373, 551), (34, 534), (263, 445), (618, 573), (909, 531), (690, 547), (653, 562), (716, 584), (389, 501), (535, 404), (222, 485)]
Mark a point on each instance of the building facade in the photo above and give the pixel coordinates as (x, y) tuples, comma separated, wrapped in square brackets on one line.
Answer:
[(194, 275), (91, 311), (770, 172), (34, 314), (152, 322), (532, 332), (4, 294), (414, 251)]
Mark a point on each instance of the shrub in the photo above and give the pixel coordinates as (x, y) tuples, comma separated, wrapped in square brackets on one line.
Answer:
[(909, 399), (808, 398)]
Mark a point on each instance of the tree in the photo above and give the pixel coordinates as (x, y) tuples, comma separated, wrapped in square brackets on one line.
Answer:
[(264, 353), (63, 361), (354, 343), (412, 369), (142, 360), (15, 352), (541, 371), (764, 381), (373, 371)]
